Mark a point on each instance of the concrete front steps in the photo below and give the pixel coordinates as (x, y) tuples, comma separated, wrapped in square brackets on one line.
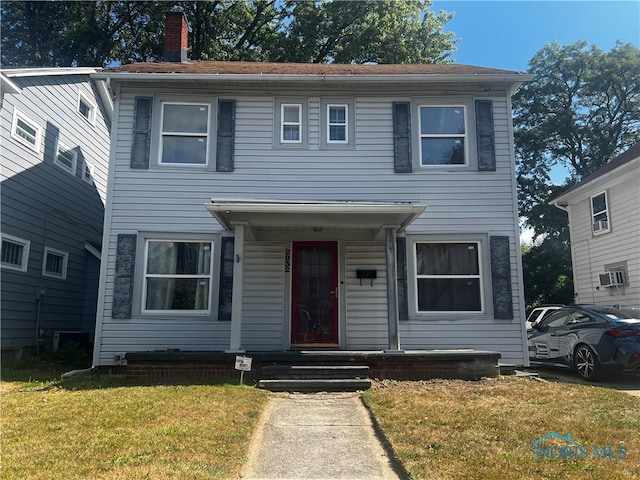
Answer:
[(316, 378)]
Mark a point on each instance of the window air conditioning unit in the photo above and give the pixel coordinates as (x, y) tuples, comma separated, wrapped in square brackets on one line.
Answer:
[(600, 226), (612, 279)]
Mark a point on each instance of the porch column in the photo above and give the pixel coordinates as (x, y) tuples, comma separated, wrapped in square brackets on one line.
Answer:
[(392, 290), (236, 298)]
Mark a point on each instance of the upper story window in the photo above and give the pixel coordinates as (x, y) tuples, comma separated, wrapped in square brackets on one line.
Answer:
[(15, 253), (87, 172), (291, 123), (599, 213), (178, 276), (87, 108), (185, 133), (443, 135), (66, 158), (26, 131), (448, 277), (54, 263), (337, 126)]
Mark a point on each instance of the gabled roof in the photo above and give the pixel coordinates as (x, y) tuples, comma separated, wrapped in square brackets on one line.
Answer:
[(633, 153)]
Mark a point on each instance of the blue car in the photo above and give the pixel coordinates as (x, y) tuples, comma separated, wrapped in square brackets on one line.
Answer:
[(589, 338)]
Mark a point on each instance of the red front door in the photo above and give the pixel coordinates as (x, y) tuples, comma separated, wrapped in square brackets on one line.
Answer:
[(314, 309)]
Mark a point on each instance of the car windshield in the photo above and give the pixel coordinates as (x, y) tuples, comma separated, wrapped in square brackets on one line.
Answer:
[(620, 314)]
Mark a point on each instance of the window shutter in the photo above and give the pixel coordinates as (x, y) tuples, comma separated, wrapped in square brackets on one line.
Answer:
[(403, 299), (501, 278), (123, 282), (226, 279), (402, 137), (141, 132), (485, 141), (226, 135)]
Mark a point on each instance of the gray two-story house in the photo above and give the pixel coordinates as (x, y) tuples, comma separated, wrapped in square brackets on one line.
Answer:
[(604, 223), (263, 207), (55, 131)]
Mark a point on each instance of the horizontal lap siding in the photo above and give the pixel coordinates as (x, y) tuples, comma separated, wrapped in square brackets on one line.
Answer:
[(366, 322), (263, 296), (458, 201), (481, 334), (140, 334), (591, 253), (50, 207)]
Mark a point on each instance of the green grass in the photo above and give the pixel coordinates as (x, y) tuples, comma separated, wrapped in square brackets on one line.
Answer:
[(98, 428), (484, 430)]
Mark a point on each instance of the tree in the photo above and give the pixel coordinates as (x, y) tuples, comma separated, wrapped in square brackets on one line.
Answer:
[(581, 110), (547, 274), (99, 32)]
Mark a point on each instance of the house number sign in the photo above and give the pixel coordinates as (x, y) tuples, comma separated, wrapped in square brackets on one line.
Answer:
[(287, 261)]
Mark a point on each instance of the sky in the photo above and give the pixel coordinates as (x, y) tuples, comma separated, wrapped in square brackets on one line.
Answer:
[(506, 34)]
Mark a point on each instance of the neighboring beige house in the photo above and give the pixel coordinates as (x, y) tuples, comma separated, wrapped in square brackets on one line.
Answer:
[(604, 224)]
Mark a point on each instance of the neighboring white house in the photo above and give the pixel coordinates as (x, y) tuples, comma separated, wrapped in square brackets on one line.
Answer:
[(54, 127), (272, 207), (604, 224)]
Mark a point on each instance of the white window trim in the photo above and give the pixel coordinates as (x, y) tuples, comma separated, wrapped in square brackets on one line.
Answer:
[(212, 284), (413, 277), (24, 261), (605, 211), (345, 124), (298, 123), (88, 168), (207, 136), (468, 134), (61, 146), (17, 115), (65, 261), (92, 108)]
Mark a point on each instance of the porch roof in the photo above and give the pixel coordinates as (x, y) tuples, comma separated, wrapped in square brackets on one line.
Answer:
[(314, 214)]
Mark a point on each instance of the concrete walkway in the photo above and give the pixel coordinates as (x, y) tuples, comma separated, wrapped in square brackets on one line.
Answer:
[(317, 436)]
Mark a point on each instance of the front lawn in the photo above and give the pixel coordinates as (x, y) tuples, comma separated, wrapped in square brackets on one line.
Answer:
[(485, 430), (100, 429)]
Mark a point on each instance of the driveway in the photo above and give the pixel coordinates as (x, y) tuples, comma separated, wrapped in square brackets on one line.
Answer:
[(623, 382)]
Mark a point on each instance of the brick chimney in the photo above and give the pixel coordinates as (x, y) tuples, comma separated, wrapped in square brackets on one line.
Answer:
[(175, 38)]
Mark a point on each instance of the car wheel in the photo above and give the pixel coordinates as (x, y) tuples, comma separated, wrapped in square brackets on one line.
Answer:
[(586, 363)]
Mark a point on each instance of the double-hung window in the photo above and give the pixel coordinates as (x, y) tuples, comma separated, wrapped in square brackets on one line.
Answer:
[(26, 131), (66, 158), (448, 277), (55, 263), (599, 213), (178, 276), (15, 253), (291, 123), (443, 135), (337, 126), (185, 133)]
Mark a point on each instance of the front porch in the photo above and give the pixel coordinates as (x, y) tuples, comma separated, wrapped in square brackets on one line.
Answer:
[(178, 367)]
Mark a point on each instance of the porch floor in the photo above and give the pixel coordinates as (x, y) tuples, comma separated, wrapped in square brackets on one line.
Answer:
[(173, 366)]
